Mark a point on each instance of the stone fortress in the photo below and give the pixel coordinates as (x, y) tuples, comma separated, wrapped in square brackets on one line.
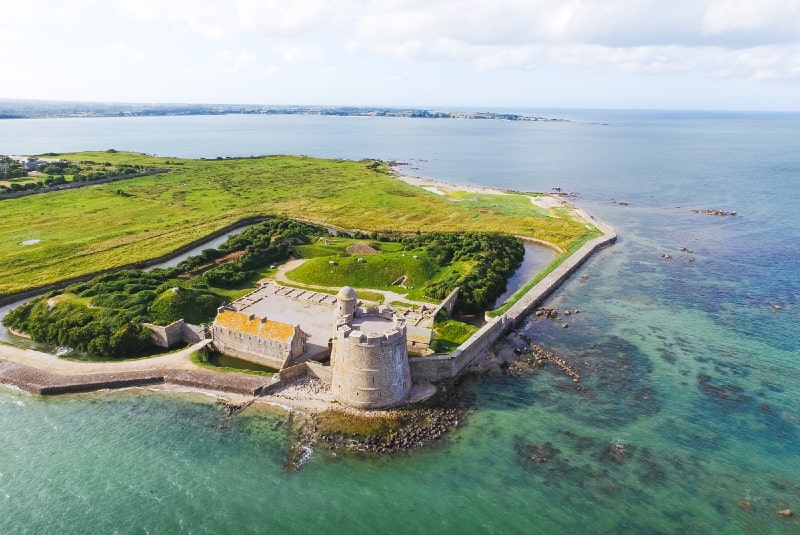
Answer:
[(379, 358), (368, 346), (369, 360)]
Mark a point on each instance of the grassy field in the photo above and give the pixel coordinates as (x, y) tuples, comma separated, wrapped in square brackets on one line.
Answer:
[(376, 271), (98, 227)]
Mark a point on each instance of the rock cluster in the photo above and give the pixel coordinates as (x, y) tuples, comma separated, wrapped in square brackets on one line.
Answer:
[(424, 427), (539, 356), (713, 211), (230, 408)]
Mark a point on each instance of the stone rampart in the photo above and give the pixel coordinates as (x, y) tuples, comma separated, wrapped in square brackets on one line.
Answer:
[(191, 334), (442, 367), (536, 295)]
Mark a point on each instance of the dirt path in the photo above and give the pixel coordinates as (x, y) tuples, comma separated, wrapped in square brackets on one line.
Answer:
[(178, 360)]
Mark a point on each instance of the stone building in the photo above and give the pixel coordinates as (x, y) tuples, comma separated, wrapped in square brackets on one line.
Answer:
[(369, 347), (369, 359), (257, 339)]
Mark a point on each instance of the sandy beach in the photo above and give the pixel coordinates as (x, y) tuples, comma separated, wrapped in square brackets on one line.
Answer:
[(546, 200)]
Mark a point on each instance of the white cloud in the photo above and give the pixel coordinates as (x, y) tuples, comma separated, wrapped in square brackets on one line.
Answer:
[(126, 52), (228, 62), (234, 18), (632, 36), (301, 54)]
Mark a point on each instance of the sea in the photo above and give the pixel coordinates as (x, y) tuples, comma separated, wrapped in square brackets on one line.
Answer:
[(687, 419)]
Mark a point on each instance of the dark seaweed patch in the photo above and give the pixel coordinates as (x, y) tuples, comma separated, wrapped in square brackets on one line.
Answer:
[(725, 394)]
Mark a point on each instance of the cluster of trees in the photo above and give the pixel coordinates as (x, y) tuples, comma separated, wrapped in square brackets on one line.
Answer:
[(263, 244), (120, 303), (56, 173), (106, 316), (10, 168), (492, 257)]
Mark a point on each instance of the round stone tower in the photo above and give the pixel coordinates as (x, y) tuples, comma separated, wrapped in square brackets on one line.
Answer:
[(369, 359)]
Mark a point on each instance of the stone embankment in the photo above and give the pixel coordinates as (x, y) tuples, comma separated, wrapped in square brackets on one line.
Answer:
[(441, 367), (35, 378)]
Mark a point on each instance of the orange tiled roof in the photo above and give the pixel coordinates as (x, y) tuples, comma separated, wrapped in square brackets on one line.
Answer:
[(267, 329)]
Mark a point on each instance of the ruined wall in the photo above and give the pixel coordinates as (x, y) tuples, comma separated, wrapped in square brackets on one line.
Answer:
[(370, 371), (166, 336)]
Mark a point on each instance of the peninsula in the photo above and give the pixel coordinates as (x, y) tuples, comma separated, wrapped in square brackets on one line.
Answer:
[(402, 354)]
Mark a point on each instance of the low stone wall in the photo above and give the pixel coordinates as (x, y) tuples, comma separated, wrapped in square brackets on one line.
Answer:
[(46, 383), (448, 304), (166, 336)]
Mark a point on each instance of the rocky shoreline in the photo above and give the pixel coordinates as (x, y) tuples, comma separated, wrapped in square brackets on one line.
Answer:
[(335, 432)]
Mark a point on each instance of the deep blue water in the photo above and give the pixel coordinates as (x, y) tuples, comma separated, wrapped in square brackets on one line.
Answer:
[(692, 399)]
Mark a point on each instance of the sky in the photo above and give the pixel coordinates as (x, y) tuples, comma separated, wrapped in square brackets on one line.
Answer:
[(447, 54)]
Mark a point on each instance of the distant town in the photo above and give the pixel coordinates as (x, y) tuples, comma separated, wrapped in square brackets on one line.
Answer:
[(35, 109)]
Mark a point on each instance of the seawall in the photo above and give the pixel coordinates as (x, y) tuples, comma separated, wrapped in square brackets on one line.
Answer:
[(42, 382), (442, 367)]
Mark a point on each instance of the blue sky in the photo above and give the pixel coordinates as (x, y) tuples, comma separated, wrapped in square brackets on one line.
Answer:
[(678, 54)]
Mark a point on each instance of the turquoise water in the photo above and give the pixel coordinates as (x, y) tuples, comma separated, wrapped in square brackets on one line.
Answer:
[(691, 377)]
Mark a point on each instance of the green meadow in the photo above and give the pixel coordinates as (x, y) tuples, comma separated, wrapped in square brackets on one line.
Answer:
[(90, 229)]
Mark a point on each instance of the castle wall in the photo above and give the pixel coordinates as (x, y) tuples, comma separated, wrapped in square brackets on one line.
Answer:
[(448, 304), (370, 371)]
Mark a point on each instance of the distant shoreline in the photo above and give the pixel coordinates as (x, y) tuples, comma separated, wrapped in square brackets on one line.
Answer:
[(35, 109)]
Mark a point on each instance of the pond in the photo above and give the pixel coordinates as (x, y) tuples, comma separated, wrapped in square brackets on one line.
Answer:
[(536, 259)]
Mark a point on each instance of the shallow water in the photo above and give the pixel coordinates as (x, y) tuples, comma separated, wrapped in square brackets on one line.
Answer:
[(690, 415)]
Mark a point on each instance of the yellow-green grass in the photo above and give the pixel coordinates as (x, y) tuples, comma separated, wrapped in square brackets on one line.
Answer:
[(376, 271), (89, 229), (450, 334)]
